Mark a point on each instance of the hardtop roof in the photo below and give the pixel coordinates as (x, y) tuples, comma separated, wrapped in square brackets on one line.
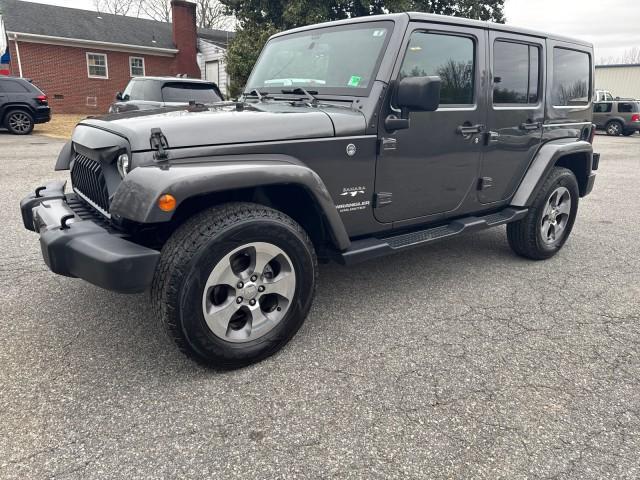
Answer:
[(444, 20)]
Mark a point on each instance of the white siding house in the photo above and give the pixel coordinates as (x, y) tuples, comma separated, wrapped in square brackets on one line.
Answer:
[(212, 47), (621, 80), (211, 62)]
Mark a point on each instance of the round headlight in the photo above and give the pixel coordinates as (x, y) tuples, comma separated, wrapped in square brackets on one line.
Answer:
[(123, 164)]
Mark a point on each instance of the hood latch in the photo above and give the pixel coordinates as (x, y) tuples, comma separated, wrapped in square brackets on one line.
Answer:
[(159, 143)]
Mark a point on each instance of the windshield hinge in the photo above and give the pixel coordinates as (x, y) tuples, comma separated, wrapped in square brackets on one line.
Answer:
[(159, 144)]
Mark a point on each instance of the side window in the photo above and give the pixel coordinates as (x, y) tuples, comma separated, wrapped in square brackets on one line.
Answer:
[(571, 78), (450, 57), (625, 108), (11, 86), (516, 73), (601, 107), (137, 90)]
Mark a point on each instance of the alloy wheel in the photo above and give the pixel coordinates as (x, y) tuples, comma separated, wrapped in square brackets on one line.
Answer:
[(614, 129), (19, 122), (249, 292), (556, 215)]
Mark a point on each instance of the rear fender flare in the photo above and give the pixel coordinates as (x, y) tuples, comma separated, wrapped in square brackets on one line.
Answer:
[(137, 196), (550, 154)]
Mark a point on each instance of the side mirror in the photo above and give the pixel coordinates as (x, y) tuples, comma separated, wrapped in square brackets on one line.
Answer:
[(415, 94), (119, 96)]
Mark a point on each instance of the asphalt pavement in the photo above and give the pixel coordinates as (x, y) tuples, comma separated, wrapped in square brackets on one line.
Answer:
[(457, 360)]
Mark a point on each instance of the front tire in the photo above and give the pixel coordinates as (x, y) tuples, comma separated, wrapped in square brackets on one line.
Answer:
[(234, 284), (547, 226)]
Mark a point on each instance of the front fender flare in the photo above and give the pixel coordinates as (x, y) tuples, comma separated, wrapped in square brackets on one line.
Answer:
[(137, 196)]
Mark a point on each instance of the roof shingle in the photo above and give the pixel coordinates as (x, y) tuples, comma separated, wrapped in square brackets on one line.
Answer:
[(41, 19)]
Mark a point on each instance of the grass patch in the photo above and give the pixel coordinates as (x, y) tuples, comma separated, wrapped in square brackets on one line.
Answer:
[(60, 126)]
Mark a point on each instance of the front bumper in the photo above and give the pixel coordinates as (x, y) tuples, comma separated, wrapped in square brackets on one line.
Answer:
[(79, 247)]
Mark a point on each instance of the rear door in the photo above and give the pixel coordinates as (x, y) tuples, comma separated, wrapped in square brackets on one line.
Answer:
[(515, 115)]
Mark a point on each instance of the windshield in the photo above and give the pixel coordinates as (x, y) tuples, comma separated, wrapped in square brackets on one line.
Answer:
[(340, 60)]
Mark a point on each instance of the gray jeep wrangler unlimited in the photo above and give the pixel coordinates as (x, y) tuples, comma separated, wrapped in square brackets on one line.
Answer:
[(353, 140)]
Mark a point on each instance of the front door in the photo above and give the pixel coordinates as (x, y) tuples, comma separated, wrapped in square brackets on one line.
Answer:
[(212, 72), (432, 167), (515, 115)]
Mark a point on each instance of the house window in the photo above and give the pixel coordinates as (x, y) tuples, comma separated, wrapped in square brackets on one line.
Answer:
[(136, 66), (97, 65)]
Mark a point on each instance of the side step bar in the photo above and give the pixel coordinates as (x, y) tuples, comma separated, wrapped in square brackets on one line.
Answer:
[(369, 248)]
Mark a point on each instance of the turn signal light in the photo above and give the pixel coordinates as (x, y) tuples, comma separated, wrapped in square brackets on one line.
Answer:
[(167, 203)]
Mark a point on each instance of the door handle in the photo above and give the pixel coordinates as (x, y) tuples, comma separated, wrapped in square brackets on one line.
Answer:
[(530, 126), (468, 129)]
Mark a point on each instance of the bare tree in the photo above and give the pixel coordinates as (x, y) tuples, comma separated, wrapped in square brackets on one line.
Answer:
[(209, 13), (630, 56), (159, 10), (119, 7)]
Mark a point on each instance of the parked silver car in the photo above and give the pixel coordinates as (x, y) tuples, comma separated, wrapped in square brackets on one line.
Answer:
[(617, 117)]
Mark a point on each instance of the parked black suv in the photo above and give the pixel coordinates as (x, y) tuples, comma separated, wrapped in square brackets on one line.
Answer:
[(354, 139), (146, 93), (22, 105)]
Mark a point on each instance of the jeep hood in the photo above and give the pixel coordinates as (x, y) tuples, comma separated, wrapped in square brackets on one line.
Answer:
[(226, 124)]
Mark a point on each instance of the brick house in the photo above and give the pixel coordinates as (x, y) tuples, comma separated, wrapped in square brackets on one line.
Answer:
[(81, 58)]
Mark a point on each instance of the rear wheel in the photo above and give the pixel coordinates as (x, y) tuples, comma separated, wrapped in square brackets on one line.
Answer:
[(614, 128), (547, 226), (234, 284), (19, 122)]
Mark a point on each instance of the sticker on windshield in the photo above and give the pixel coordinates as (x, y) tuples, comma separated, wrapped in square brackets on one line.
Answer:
[(379, 33), (354, 81)]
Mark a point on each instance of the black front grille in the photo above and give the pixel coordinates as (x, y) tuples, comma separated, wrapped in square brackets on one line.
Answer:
[(88, 180)]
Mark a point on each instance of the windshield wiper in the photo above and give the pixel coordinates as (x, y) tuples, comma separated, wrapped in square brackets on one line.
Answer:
[(256, 93), (301, 91)]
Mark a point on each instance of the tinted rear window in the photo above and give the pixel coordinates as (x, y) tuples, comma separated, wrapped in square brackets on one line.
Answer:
[(516, 69), (571, 78), (185, 92), (628, 107), (13, 86)]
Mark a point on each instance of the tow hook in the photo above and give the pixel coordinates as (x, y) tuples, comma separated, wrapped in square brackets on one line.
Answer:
[(64, 220)]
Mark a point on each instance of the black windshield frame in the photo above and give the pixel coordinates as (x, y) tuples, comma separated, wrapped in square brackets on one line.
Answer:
[(389, 25)]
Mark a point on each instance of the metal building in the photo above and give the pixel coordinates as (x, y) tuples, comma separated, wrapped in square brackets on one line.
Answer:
[(621, 80)]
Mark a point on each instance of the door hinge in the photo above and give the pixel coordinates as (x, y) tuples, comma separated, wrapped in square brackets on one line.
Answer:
[(386, 144), (382, 199), (159, 143), (485, 182)]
